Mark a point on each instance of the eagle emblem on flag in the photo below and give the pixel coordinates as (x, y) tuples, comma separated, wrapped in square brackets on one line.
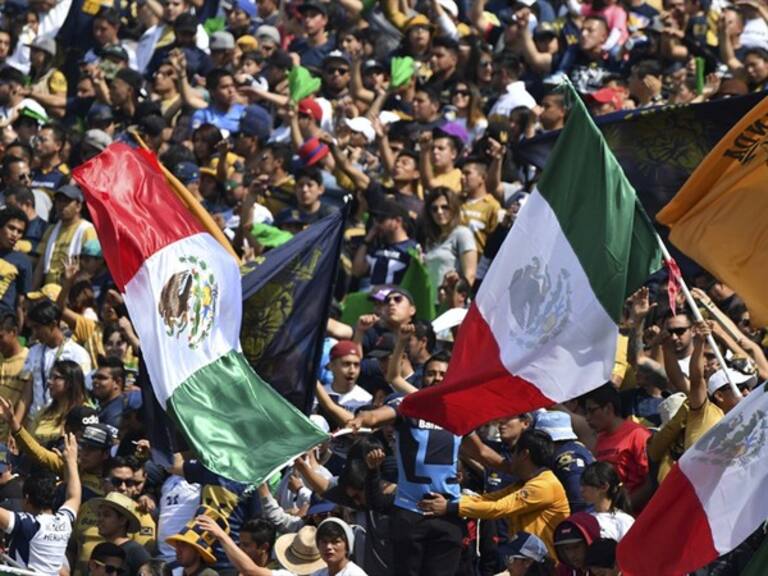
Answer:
[(188, 301)]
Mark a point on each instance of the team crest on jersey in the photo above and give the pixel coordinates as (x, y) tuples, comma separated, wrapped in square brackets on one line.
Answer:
[(188, 301), (540, 305), (736, 444)]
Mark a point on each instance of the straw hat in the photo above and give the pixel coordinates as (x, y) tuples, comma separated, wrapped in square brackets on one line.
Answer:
[(200, 539), (298, 552), (124, 506)]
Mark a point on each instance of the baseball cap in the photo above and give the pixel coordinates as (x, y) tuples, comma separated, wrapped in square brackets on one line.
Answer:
[(80, 417), (320, 422), (92, 248), (418, 20), (100, 113), (361, 125), (246, 6), (256, 121), (44, 43), (524, 545), (268, 32), (319, 6), (247, 43), (345, 348), (544, 29), (70, 191), (371, 64), (312, 152), (132, 78), (97, 139), (311, 107), (320, 506), (452, 130), (556, 424), (720, 379), (222, 40), (97, 436), (185, 23), (114, 51), (187, 172), (400, 290), (50, 291), (336, 56), (607, 96), (384, 346)]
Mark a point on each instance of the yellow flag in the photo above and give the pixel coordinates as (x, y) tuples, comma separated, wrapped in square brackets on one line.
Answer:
[(720, 216)]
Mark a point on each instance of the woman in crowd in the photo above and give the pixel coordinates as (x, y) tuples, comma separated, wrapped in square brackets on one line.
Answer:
[(66, 385), (602, 488)]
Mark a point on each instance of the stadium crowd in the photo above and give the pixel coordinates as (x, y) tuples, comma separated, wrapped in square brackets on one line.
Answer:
[(408, 116)]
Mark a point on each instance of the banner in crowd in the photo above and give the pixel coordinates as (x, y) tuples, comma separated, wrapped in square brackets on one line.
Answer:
[(544, 325), (718, 218), (658, 148), (286, 298), (710, 502), (179, 285)]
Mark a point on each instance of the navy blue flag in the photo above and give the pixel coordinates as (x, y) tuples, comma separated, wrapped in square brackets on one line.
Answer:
[(286, 298), (658, 148)]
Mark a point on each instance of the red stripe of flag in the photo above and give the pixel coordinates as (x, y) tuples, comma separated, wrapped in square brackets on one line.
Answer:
[(671, 536), (125, 210), (476, 378)]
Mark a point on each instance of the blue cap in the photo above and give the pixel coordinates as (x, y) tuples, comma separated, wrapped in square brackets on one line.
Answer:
[(256, 121), (134, 400), (556, 424), (187, 172), (320, 506), (246, 6), (91, 247), (524, 545)]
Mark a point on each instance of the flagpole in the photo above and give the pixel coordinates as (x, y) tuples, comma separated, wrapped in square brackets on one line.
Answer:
[(696, 313)]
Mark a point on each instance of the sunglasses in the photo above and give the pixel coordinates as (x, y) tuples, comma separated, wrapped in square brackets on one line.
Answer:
[(109, 569), (678, 331), (439, 208), (339, 71), (397, 299), (129, 482), (460, 93)]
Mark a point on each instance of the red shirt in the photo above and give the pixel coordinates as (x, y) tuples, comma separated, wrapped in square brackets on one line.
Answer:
[(625, 449)]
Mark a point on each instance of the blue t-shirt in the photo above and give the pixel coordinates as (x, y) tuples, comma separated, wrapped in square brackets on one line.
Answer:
[(311, 56), (388, 262), (229, 120), (571, 457), (15, 278), (427, 457)]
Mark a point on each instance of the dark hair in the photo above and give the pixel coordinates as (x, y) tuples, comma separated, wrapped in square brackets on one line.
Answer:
[(109, 14), (509, 62), (354, 474), (213, 78), (410, 153), (57, 131), (666, 312), (9, 213), (40, 489), (110, 329), (177, 154), (75, 393), (423, 329), (602, 396), (9, 321), (600, 474), (332, 531), (157, 567), (115, 367), (430, 91), (106, 550), (9, 74), (600, 19), (646, 68), (441, 356), (124, 462), (433, 234), (45, 313), (8, 162), (209, 134), (281, 152), (262, 531), (312, 173), (757, 51), (540, 446), (445, 42), (22, 194)]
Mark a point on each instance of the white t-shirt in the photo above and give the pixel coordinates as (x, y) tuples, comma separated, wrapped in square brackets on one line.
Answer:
[(515, 96), (351, 569), (352, 400), (178, 503), (39, 364), (40, 542), (614, 525), (685, 365)]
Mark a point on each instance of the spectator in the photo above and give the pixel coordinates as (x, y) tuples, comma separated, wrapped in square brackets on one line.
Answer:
[(17, 269), (345, 366), (603, 490), (118, 519), (526, 555), (108, 386), (601, 558), (194, 551), (106, 558), (572, 538)]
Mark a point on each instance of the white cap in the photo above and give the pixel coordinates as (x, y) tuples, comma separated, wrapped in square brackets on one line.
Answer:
[(670, 405), (363, 126), (719, 380), (320, 422)]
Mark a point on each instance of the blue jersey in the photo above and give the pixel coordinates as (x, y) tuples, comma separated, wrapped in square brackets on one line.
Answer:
[(571, 457), (427, 459)]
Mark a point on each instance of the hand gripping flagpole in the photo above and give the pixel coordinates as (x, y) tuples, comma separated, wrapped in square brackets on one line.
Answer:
[(694, 309)]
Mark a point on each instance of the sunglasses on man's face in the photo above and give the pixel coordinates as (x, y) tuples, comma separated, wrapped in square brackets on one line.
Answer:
[(109, 569), (129, 482), (678, 331), (397, 299)]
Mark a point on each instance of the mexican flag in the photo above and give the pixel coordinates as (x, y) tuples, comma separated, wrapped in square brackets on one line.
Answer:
[(183, 292), (544, 326)]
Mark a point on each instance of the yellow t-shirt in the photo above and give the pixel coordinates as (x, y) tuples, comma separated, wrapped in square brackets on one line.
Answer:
[(11, 386), (450, 180), (481, 215), (61, 248), (47, 426), (701, 420), (88, 334), (87, 536), (536, 506)]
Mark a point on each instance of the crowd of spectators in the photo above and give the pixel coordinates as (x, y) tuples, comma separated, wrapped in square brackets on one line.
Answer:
[(410, 119)]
